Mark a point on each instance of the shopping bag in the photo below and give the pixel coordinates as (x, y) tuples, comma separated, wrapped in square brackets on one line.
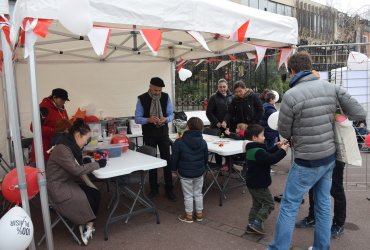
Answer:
[(346, 143)]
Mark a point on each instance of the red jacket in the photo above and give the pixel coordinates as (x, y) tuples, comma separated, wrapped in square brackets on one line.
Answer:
[(49, 115)]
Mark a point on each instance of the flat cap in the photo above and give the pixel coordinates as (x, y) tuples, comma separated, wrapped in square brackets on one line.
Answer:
[(156, 81)]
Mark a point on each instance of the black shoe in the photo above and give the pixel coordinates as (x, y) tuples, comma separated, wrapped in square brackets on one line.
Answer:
[(336, 231), (306, 222), (171, 196), (256, 226), (250, 230), (152, 194)]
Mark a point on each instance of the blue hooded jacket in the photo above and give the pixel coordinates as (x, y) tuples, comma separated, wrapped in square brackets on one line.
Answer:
[(190, 154)]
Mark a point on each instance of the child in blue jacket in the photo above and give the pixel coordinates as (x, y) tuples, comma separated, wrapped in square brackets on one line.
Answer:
[(258, 178), (272, 136), (189, 157)]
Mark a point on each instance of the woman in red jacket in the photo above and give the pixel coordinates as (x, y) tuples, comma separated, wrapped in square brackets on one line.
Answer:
[(51, 111)]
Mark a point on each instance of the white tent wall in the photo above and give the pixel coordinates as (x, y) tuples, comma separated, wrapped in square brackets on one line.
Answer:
[(112, 87)]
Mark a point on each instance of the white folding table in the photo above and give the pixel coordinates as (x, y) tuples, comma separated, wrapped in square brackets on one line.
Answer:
[(129, 162), (226, 147)]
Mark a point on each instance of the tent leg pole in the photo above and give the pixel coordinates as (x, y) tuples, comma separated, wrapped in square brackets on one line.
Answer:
[(14, 125), (36, 124)]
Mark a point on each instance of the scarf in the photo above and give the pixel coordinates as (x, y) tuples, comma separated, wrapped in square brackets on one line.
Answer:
[(155, 107), (69, 141)]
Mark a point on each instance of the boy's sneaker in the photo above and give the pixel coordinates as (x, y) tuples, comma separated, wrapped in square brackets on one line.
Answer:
[(256, 226), (198, 216), (86, 233), (336, 231), (188, 218), (306, 222), (250, 230)]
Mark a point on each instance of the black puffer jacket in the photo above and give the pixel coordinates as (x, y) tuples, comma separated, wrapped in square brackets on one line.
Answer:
[(190, 154), (217, 108), (246, 110)]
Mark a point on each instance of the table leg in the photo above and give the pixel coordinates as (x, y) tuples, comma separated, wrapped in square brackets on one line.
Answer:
[(116, 202), (145, 198)]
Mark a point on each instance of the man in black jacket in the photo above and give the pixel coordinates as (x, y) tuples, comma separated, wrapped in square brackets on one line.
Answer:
[(154, 112)]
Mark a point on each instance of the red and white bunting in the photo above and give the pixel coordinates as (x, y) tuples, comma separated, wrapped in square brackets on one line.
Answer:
[(99, 38), (4, 26), (261, 51), (239, 31), (197, 36), (222, 63), (30, 36), (199, 62), (152, 38), (284, 55)]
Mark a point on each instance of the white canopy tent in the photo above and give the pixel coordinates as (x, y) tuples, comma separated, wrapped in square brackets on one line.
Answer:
[(215, 21)]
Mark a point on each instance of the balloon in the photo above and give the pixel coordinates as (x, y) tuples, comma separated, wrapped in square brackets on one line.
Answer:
[(121, 139), (90, 109), (16, 230), (12, 193), (184, 74), (340, 118), (272, 121), (91, 118), (276, 95), (75, 16), (367, 140)]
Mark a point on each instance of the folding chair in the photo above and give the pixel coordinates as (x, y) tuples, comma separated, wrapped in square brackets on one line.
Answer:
[(4, 165), (69, 225)]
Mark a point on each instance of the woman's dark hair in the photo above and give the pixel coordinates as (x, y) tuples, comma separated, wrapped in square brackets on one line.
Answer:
[(79, 126), (253, 130), (195, 123), (239, 84), (300, 61), (269, 96)]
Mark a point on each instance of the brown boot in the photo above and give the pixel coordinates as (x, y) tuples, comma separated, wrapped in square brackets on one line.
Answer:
[(198, 216), (188, 218)]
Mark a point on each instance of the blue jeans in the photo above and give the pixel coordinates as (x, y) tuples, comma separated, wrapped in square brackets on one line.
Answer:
[(300, 179)]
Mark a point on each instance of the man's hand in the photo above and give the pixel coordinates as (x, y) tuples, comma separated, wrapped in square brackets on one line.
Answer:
[(153, 119), (162, 120), (227, 131)]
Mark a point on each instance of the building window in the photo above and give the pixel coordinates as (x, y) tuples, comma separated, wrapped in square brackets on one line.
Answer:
[(244, 2), (262, 5), (271, 6), (288, 11), (253, 3), (280, 9)]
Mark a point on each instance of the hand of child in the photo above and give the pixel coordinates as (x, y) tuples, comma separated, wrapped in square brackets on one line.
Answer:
[(285, 146), (227, 131), (280, 143), (223, 124)]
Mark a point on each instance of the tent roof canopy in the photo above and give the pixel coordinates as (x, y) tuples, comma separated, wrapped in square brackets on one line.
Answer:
[(216, 20)]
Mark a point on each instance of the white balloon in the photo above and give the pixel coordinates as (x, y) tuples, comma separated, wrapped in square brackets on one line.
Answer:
[(184, 74), (272, 121), (276, 95), (16, 230), (75, 16), (90, 109)]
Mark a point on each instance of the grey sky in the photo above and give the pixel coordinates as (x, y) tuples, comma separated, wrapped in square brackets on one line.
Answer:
[(348, 6)]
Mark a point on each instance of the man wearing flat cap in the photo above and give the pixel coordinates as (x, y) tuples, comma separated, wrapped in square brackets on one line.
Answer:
[(51, 111), (154, 112)]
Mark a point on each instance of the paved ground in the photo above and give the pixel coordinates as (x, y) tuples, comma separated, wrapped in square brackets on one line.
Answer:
[(223, 227)]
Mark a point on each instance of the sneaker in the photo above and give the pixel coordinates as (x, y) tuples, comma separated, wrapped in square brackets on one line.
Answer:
[(86, 233), (250, 230), (152, 194), (256, 226), (306, 222), (198, 216), (171, 196), (188, 218), (336, 231)]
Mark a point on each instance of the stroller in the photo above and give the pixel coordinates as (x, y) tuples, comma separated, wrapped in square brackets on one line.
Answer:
[(361, 133)]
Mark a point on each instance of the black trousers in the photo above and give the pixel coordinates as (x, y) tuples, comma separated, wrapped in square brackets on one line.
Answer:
[(338, 194), (163, 143), (93, 197)]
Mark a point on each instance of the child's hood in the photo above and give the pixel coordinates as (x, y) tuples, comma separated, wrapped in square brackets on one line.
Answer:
[(193, 139)]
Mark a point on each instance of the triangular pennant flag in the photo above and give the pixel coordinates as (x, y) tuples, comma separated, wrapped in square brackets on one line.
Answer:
[(197, 36), (199, 62), (283, 56), (233, 58), (221, 64), (239, 31), (261, 51), (214, 60), (99, 38), (251, 55), (179, 66), (152, 38), (42, 27), (4, 25)]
